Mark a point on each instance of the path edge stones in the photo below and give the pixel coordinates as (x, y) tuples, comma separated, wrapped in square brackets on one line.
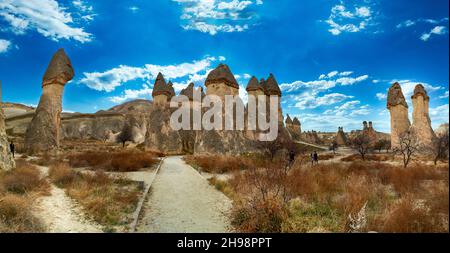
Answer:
[(138, 210)]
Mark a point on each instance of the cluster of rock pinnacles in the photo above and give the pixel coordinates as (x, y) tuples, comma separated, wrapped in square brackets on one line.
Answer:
[(421, 126), (43, 133)]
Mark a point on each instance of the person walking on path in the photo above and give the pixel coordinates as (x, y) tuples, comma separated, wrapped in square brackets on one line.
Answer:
[(11, 148), (312, 159), (291, 158), (316, 157)]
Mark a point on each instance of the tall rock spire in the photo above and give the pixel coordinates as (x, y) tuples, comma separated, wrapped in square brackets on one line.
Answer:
[(43, 133), (398, 108), (421, 126)]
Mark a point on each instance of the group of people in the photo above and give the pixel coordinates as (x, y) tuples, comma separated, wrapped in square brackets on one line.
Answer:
[(314, 158)]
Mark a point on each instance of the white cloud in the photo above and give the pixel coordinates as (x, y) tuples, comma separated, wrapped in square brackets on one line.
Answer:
[(381, 96), (5, 45), (128, 94), (406, 23), (325, 82), (46, 17), (216, 16), (440, 27), (439, 115), (311, 101), (86, 11), (214, 29), (134, 9), (445, 95), (437, 30), (343, 20), (109, 80)]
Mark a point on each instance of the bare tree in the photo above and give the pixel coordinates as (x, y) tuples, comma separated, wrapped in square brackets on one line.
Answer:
[(126, 134), (407, 147), (362, 144), (271, 148), (441, 146)]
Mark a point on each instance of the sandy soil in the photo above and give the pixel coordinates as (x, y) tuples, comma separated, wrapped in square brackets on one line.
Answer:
[(181, 200)]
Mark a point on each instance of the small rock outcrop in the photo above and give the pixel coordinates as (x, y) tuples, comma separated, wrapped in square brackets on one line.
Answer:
[(43, 134), (421, 126), (398, 108), (6, 159)]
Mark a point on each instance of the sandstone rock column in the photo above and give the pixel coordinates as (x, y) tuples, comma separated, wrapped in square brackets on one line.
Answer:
[(421, 126), (6, 159), (43, 133), (398, 108)]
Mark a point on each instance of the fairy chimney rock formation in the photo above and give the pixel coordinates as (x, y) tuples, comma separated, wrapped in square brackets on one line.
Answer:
[(396, 104), (221, 82), (297, 125), (341, 138), (43, 133), (289, 123), (421, 126), (162, 92), (370, 132), (6, 159), (271, 88)]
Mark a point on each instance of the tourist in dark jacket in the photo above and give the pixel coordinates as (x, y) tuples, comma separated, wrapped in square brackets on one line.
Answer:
[(12, 148)]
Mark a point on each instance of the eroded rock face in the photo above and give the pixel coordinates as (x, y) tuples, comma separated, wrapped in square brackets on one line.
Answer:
[(43, 134), (6, 159), (421, 126), (160, 136), (398, 108)]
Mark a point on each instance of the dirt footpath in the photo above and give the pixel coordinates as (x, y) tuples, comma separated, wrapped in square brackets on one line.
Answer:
[(181, 200)]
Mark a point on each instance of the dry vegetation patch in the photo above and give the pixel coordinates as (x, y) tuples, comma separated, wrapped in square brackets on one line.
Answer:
[(18, 191), (121, 161), (108, 200), (340, 197), (217, 163)]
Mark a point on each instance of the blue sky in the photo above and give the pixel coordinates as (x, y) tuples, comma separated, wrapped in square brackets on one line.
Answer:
[(334, 59)]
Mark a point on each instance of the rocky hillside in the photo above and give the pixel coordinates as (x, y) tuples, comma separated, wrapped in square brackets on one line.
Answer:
[(102, 125)]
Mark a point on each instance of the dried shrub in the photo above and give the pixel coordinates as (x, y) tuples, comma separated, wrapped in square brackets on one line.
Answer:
[(408, 215), (24, 178), (61, 174), (16, 217), (121, 161)]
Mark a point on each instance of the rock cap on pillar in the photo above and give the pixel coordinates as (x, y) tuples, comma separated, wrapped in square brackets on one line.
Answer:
[(59, 69)]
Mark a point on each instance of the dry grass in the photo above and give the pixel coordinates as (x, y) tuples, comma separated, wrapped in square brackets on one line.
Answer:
[(23, 179), (369, 157), (321, 198), (108, 200), (18, 191), (121, 161), (16, 216), (217, 163)]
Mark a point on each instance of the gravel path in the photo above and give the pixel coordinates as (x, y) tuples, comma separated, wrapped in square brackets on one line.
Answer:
[(181, 200)]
